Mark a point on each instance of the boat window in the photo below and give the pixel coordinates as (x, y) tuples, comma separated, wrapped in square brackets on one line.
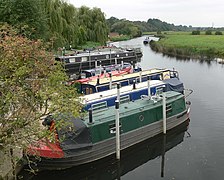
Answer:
[(166, 75), (87, 90), (83, 75), (72, 60), (90, 91), (84, 59)]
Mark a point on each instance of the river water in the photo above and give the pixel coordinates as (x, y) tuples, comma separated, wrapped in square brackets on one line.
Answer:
[(195, 154)]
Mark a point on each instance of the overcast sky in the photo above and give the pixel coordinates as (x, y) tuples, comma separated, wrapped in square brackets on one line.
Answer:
[(203, 13)]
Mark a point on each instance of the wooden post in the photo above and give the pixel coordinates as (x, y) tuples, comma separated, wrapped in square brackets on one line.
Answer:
[(117, 123), (115, 59), (110, 76), (118, 91), (164, 113), (95, 63), (140, 76), (134, 84), (148, 82), (90, 116)]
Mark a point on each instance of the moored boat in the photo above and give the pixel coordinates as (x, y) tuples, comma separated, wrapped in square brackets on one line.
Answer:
[(92, 137), (129, 93), (131, 158), (106, 83), (146, 40), (75, 63), (106, 71)]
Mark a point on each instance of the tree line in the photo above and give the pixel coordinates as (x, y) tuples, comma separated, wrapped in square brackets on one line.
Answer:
[(55, 21), (142, 26), (151, 25)]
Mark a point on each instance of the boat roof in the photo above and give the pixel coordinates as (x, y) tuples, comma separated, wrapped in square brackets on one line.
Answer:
[(126, 76), (97, 52), (106, 67), (113, 92), (129, 108)]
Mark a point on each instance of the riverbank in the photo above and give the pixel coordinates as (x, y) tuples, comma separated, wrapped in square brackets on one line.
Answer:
[(185, 45)]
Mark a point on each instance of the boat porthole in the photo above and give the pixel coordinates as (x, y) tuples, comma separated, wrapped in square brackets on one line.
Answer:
[(141, 118)]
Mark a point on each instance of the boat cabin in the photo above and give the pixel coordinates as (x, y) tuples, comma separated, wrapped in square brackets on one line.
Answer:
[(99, 70), (103, 84)]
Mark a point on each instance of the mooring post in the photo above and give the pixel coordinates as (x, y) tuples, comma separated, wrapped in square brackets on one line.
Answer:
[(110, 76), (100, 69), (134, 84), (98, 80), (118, 91), (95, 63), (164, 113), (148, 82), (117, 123), (140, 76), (90, 116), (104, 71), (163, 156)]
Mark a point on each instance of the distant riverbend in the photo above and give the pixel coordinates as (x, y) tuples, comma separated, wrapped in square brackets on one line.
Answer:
[(206, 47)]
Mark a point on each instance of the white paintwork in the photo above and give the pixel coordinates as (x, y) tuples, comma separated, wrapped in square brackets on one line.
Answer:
[(123, 90)]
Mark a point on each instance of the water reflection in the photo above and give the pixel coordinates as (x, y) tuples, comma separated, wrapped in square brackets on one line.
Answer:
[(131, 158)]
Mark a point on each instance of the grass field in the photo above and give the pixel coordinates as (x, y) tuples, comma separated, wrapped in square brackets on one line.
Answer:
[(185, 44)]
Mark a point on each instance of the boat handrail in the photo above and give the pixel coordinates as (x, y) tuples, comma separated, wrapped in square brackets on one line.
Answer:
[(145, 97), (172, 73), (124, 99), (99, 106)]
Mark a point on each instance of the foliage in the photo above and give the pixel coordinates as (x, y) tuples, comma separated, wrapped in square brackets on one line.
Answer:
[(55, 21), (26, 15), (124, 27), (208, 32), (218, 33), (30, 88), (197, 32)]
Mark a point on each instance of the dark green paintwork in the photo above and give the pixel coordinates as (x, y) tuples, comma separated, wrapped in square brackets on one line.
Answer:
[(134, 115)]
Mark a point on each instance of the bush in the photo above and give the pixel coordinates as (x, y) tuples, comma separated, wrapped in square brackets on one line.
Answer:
[(195, 32), (208, 32), (218, 33)]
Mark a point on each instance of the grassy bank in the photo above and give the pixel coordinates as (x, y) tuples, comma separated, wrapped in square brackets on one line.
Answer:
[(120, 38), (192, 46)]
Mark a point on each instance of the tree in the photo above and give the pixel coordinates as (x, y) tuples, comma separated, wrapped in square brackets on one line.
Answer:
[(126, 28), (208, 32), (93, 24), (27, 15), (197, 32), (31, 87), (218, 33)]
